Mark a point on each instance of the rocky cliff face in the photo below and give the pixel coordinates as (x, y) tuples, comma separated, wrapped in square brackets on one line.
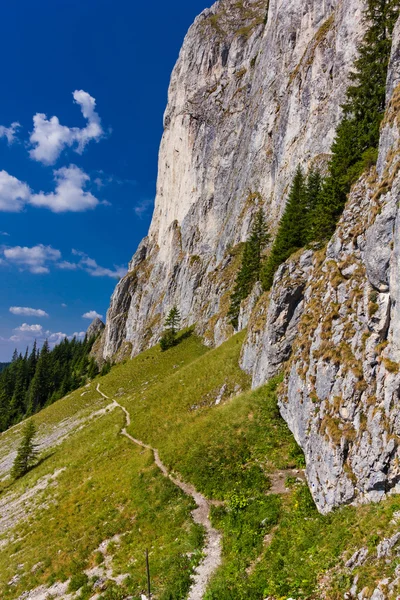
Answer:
[(336, 312), (256, 91)]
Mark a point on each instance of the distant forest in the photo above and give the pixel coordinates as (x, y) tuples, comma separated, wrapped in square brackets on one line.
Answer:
[(40, 377)]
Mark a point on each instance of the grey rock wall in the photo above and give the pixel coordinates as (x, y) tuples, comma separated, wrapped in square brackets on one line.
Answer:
[(341, 393), (255, 92)]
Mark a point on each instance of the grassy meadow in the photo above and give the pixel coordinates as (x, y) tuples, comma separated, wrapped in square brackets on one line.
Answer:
[(91, 485)]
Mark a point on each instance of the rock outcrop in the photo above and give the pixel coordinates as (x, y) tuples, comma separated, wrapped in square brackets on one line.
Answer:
[(256, 91), (95, 327), (341, 391)]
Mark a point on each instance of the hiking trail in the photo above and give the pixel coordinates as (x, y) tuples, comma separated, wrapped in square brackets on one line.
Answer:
[(213, 547)]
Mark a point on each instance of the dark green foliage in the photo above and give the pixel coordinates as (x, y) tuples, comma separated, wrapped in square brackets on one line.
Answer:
[(357, 136), (38, 378), (314, 208), (250, 270), (293, 226), (27, 452), (173, 319), (93, 368), (105, 369), (172, 322)]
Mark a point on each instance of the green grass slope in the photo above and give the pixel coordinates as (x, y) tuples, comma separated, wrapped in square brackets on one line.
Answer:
[(92, 485)]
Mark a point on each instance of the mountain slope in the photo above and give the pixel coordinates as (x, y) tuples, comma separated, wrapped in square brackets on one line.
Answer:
[(83, 517)]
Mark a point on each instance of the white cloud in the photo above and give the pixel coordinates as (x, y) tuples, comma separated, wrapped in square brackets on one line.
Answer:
[(28, 312), (92, 314), (142, 207), (49, 137), (65, 265), (90, 266), (55, 338), (33, 259), (13, 193), (9, 132), (4, 233), (38, 259), (37, 329), (69, 194), (78, 334), (64, 305)]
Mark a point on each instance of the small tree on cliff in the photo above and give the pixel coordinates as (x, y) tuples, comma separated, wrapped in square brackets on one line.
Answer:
[(171, 329), (26, 452), (250, 270)]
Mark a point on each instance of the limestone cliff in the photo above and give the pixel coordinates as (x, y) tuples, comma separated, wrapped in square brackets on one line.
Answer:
[(256, 91), (336, 314)]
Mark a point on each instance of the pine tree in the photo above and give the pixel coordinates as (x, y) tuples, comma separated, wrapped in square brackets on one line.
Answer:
[(172, 323), (93, 369), (290, 236), (26, 453), (250, 270)]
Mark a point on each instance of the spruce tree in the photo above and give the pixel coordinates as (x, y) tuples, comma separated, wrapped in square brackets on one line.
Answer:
[(26, 453), (290, 236), (37, 379), (357, 137), (250, 270), (172, 323)]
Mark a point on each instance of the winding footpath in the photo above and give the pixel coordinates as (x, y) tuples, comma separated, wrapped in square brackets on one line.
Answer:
[(213, 547)]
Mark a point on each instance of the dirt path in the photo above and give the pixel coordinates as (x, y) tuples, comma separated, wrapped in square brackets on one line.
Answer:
[(213, 547)]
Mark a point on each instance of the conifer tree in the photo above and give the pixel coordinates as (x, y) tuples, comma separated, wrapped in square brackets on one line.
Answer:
[(172, 323), (290, 236), (26, 453), (37, 379), (250, 270), (357, 136)]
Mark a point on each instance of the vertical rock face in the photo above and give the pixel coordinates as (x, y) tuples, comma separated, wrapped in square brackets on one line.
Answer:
[(256, 91), (341, 391)]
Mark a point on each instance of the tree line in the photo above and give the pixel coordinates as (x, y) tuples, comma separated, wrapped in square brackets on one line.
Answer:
[(315, 204), (40, 377)]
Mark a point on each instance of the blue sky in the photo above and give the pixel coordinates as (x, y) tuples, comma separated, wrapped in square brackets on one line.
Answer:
[(84, 90)]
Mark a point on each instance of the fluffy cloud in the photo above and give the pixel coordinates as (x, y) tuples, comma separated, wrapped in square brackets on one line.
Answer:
[(26, 334), (9, 132), (37, 329), (49, 137), (35, 259), (90, 266), (38, 260), (13, 193), (27, 312), (69, 195), (92, 314)]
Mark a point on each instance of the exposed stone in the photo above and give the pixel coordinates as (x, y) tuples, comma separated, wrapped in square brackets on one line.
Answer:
[(274, 344), (95, 328), (342, 383), (251, 97)]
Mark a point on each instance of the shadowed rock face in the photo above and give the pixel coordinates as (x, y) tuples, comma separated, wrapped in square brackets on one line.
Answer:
[(341, 390), (254, 93)]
